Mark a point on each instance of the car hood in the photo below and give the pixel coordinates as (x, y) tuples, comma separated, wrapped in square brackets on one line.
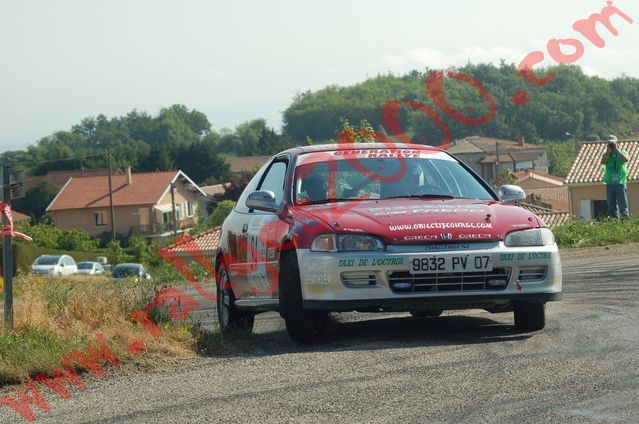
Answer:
[(425, 220)]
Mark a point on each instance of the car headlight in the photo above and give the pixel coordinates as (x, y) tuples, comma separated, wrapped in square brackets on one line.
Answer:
[(346, 243), (530, 237)]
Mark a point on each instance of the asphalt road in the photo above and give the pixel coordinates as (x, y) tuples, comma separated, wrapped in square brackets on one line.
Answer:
[(461, 367)]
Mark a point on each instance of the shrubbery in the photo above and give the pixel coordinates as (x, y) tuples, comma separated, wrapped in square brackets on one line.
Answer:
[(597, 233)]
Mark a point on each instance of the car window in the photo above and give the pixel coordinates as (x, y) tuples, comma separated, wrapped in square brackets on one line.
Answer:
[(85, 265), (123, 271), (47, 260), (274, 180), (428, 175), (240, 206)]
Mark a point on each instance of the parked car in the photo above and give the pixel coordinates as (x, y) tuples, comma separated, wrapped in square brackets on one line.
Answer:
[(361, 227), (90, 268), (54, 265), (130, 270)]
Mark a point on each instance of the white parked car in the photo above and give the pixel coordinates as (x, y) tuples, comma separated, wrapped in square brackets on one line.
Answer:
[(90, 268), (54, 265)]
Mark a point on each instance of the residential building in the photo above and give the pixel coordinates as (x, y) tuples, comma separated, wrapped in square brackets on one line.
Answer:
[(586, 190), (485, 155), (543, 189), (246, 164), (144, 203)]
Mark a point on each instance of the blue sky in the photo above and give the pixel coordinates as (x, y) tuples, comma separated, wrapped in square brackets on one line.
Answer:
[(63, 60)]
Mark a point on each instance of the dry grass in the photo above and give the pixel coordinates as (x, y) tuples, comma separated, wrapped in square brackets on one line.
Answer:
[(56, 316)]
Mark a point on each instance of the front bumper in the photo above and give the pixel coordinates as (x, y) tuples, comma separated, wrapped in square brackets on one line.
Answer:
[(325, 278)]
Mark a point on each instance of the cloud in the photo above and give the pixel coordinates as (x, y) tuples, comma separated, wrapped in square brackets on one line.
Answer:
[(422, 57)]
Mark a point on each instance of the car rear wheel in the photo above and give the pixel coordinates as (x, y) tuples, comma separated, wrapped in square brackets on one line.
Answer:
[(530, 316), (302, 325), (421, 313), (229, 317)]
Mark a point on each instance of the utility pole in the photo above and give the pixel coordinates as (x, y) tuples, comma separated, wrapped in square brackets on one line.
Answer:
[(7, 266), (574, 140), (111, 196), (174, 211)]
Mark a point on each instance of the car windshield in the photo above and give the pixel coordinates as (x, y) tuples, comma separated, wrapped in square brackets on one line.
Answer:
[(126, 271), (85, 265), (323, 177), (47, 260)]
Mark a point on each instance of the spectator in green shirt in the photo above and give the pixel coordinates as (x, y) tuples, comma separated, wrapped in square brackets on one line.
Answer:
[(615, 178)]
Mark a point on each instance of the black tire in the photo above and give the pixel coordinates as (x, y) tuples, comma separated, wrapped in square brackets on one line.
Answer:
[(229, 317), (301, 325), (422, 313), (530, 316)]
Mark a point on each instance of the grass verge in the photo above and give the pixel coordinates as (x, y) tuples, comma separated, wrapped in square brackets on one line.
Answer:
[(597, 233), (53, 317)]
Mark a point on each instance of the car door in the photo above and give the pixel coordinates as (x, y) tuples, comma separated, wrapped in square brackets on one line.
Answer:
[(262, 230), (235, 231)]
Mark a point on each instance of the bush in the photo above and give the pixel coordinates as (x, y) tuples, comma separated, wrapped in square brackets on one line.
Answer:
[(116, 253), (138, 248), (44, 235), (221, 212), (76, 240), (597, 233)]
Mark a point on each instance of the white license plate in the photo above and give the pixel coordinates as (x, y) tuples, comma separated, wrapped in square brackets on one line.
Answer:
[(450, 263)]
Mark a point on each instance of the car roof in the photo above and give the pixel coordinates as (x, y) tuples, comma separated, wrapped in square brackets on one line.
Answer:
[(128, 264), (360, 146)]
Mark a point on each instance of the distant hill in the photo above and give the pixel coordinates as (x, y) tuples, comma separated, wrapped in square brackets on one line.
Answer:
[(573, 102)]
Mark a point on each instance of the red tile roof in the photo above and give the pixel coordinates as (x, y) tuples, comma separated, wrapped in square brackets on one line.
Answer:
[(187, 245), (17, 216), (549, 216), (531, 173), (93, 192), (478, 144), (587, 167), (508, 158)]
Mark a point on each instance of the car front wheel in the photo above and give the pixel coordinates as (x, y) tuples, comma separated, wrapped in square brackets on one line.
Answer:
[(229, 317), (302, 325), (530, 316)]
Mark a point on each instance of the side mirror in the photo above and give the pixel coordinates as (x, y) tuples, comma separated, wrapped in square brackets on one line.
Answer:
[(262, 201), (511, 193)]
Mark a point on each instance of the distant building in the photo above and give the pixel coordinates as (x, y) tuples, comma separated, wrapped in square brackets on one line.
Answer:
[(143, 203), (246, 164), (586, 190), (543, 189), (485, 155)]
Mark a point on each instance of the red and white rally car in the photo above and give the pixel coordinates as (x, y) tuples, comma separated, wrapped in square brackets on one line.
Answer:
[(371, 227)]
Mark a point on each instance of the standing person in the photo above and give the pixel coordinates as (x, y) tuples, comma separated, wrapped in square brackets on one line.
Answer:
[(615, 178)]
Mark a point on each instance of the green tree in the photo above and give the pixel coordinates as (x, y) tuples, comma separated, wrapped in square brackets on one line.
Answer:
[(116, 253), (36, 200), (503, 177), (77, 240), (221, 212), (138, 248), (45, 235)]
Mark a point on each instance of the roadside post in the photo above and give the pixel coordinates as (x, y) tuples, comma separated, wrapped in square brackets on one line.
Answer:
[(12, 188)]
